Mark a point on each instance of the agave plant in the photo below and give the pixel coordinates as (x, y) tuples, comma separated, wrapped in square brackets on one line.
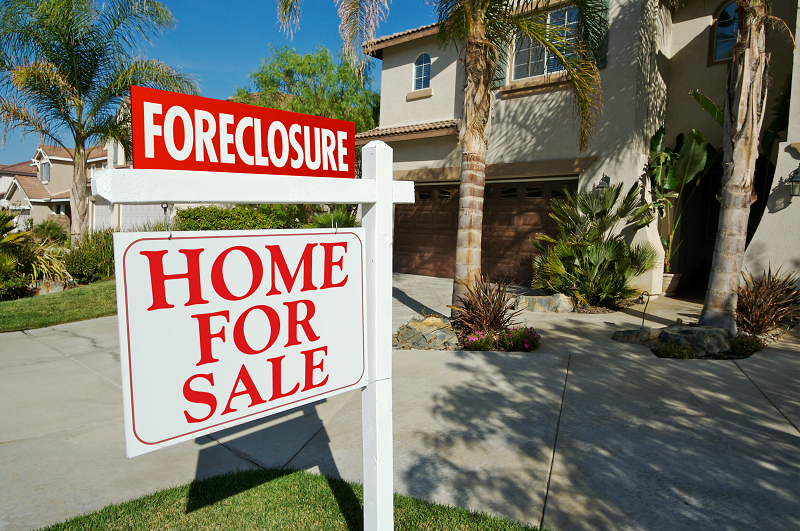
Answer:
[(589, 258)]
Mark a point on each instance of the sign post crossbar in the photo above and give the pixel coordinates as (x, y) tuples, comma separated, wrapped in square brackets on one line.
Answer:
[(377, 192)]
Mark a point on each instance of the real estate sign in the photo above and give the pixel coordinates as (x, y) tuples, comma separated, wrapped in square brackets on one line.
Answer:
[(179, 132), (224, 327)]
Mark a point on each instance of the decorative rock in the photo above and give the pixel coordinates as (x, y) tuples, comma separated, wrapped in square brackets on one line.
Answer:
[(702, 340), (558, 303), (426, 333)]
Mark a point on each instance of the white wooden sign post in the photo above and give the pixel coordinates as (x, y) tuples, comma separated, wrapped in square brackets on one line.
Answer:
[(377, 192)]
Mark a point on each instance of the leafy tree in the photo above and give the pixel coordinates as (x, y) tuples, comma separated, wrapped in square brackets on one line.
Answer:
[(483, 31), (66, 67), (313, 84)]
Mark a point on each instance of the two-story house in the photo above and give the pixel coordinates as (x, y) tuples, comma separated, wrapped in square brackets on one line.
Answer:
[(45, 193), (655, 56)]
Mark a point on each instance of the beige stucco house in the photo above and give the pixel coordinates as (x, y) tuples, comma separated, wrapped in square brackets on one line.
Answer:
[(654, 57), (45, 194)]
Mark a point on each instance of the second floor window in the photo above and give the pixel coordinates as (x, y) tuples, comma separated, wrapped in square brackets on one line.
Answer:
[(725, 29), (422, 72), (45, 172), (532, 59)]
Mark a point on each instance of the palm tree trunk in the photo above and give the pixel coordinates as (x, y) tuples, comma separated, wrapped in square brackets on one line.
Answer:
[(77, 197), (479, 65), (744, 109)]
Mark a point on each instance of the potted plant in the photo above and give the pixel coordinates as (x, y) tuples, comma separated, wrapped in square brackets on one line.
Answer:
[(670, 172)]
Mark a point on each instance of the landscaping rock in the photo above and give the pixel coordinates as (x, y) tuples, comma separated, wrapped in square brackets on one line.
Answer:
[(558, 303), (426, 333), (702, 340)]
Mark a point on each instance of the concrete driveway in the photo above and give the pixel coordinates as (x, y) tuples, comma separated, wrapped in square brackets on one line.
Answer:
[(584, 434)]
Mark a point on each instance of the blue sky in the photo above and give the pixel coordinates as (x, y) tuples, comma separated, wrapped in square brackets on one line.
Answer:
[(221, 43)]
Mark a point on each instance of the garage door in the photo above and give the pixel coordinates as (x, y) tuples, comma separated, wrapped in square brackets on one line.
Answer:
[(514, 212)]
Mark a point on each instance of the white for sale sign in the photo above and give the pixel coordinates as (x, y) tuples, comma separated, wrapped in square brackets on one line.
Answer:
[(220, 328)]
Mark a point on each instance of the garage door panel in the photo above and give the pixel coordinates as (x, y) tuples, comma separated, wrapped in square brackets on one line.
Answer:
[(425, 232)]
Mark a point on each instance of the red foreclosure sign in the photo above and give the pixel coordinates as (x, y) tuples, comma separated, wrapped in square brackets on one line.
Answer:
[(179, 132)]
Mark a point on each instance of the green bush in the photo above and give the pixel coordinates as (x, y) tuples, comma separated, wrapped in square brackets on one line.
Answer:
[(479, 341), (341, 217), (673, 351), (92, 257), (289, 216), (589, 258), (14, 287), (240, 217), (743, 345), (49, 230), (519, 339)]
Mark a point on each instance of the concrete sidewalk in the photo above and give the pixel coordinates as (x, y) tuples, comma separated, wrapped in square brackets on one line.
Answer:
[(586, 433)]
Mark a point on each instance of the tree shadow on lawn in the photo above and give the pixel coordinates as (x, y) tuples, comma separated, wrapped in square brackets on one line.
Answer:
[(271, 448), (643, 443)]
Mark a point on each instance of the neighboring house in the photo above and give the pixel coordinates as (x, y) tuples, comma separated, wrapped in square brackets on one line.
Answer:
[(653, 59), (45, 193), (7, 173)]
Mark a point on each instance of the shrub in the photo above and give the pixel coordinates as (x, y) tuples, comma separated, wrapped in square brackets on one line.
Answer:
[(341, 217), (767, 302), (15, 288), (288, 216), (92, 257), (589, 259), (671, 350), (519, 339), (486, 307), (218, 218), (50, 231), (746, 345), (479, 341)]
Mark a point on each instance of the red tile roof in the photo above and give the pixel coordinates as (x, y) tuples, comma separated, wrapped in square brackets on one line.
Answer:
[(442, 128), (375, 47), (33, 187), (19, 168), (58, 151)]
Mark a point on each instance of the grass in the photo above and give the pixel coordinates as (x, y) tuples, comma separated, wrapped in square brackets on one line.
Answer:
[(273, 499), (76, 304)]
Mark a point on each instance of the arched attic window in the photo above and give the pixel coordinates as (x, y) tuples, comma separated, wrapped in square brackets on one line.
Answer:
[(724, 32), (422, 72)]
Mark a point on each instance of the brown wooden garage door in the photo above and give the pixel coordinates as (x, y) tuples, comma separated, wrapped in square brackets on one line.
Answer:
[(425, 232)]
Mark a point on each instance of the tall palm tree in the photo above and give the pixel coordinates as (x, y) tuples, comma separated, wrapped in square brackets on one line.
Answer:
[(66, 68), (484, 31), (743, 111)]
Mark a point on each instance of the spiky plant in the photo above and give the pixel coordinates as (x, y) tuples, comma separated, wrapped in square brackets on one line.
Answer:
[(484, 307), (589, 258), (767, 302)]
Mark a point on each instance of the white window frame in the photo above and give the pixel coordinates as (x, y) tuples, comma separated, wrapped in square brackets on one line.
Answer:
[(42, 171), (419, 73), (546, 58)]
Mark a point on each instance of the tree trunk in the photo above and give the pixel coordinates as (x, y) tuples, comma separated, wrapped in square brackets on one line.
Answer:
[(77, 197), (745, 103), (479, 65)]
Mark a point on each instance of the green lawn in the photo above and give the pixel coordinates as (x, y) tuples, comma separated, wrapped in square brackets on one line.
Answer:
[(76, 304), (273, 499)]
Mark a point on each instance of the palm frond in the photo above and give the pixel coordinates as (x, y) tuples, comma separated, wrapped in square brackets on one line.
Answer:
[(359, 21)]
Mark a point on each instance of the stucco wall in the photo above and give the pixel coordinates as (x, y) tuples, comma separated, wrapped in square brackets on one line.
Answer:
[(397, 81), (60, 176), (776, 242)]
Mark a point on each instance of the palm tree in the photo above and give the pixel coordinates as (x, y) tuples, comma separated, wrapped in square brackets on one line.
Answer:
[(66, 67), (743, 111), (484, 31)]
